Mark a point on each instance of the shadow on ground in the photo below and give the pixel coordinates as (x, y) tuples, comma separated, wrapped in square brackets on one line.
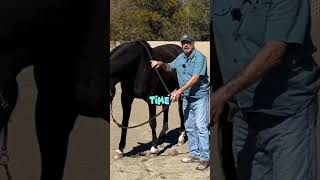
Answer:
[(169, 139)]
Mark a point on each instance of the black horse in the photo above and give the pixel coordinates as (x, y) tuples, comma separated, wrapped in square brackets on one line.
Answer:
[(64, 41), (129, 64)]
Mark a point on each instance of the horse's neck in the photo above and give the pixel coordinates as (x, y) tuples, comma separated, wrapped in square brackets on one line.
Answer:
[(124, 62)]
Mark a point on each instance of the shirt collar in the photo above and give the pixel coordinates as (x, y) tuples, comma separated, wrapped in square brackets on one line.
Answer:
[(191, 55)]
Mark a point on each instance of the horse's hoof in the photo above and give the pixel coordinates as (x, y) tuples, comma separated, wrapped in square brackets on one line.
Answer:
[(154, 150), (119, 155), (182, 139)]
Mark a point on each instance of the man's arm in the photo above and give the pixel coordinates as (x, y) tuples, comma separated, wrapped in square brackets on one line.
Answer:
[(270, 56), (176, 94), (160, 64), (199, 68), (190, 83)]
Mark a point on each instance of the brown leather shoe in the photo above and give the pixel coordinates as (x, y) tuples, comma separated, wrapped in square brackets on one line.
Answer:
[(190, 159), (202, 165)]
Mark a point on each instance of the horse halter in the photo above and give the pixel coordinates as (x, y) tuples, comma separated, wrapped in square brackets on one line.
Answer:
[(151, 119)]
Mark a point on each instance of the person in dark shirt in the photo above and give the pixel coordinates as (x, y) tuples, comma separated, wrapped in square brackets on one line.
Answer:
[(265, 52)]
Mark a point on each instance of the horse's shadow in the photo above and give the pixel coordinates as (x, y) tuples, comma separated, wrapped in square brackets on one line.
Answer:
[(170, 138)]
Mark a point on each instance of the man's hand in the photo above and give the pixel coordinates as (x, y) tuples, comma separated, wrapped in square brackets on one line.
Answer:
[(269, 57), (156, 64), (175, 95), (218, 100)]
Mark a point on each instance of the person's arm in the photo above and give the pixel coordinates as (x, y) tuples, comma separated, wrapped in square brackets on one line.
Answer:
[(160, 64), (287, 23), (270, 56), (176, 94), (199, 69), (194, 79)]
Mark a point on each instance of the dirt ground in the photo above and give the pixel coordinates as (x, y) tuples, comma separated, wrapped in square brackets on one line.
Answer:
[(136, 166)]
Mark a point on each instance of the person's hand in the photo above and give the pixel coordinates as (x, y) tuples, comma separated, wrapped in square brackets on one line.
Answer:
[(155, 64), (218, 100), (175, 95)]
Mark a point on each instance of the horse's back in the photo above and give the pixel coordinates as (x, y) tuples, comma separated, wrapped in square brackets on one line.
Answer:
[(167, 52)]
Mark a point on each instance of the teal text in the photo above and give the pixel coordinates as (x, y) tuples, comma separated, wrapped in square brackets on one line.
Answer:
[(160, 100)]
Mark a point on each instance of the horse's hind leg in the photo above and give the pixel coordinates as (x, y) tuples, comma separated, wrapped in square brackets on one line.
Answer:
[(165, 125), (55, 116), (183, 136), (153, 125), (8, 99)]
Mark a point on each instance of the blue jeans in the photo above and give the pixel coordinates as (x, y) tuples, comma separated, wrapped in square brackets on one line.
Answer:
[(196, 118), (269, 147)]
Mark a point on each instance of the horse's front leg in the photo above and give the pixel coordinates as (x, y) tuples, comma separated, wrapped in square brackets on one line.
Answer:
[(126, 102), (153, 124), (54, 122), (56, 112)]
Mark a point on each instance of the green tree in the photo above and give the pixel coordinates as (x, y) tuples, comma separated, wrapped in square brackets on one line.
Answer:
[(199, 19), (159, 19)]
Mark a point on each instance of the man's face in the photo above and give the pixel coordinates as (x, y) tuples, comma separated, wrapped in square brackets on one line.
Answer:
[(187, 47)]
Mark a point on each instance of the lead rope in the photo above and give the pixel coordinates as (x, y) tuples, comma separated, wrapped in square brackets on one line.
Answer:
[(165, 86), (130, 127)]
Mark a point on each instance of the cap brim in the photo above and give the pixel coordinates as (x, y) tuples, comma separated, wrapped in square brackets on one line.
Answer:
[(185, 40)]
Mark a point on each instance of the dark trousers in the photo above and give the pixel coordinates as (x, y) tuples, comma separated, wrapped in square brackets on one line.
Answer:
[(270, 147)]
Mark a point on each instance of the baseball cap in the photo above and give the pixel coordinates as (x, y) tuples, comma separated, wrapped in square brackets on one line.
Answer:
[(186, 37)]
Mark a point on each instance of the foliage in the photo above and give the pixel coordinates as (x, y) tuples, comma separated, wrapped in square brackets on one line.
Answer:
[(159, 19)]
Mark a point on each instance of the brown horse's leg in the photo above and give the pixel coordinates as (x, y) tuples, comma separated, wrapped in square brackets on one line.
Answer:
[(126, 101), (153, 125), (54, 122), (165, 125)]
